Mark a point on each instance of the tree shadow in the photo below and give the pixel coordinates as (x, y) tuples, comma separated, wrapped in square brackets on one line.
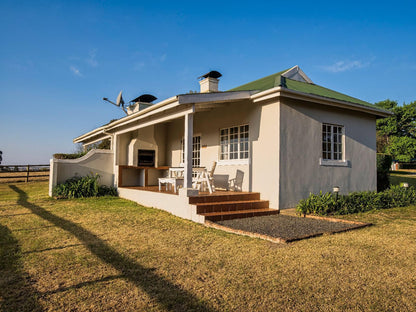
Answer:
[(15, 288), (167, 294)]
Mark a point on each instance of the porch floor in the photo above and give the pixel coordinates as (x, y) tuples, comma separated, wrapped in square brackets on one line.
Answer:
[(155, 188)]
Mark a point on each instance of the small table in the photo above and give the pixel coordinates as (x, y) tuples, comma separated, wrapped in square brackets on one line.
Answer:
[(175, 182)]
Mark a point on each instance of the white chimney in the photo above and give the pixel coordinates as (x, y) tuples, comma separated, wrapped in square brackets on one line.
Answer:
[(209, 82)]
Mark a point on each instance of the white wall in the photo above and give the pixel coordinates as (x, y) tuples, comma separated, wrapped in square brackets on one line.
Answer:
[(94, 162), (301, 149)]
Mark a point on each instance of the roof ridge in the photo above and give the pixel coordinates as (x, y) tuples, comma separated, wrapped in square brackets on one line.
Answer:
[(260, 79)]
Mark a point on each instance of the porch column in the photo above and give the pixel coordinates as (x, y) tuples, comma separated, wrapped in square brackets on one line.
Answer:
[(188, 136), (116, 150)]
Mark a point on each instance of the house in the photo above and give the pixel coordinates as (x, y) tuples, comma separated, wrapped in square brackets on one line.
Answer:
[(284, 134)]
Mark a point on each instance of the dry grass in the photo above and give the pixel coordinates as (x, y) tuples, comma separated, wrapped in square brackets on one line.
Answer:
[(111, 254)]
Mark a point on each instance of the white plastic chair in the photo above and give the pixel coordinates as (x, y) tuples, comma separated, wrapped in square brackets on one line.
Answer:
[(236, 184)]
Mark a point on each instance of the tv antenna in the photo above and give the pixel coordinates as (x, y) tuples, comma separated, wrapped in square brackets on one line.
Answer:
[(119, 102)]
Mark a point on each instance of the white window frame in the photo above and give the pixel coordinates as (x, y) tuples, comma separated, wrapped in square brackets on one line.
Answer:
[(342, 162), (196, 151), (238, 160)]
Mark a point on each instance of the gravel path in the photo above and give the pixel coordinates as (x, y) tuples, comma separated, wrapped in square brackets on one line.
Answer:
[(287, 227)]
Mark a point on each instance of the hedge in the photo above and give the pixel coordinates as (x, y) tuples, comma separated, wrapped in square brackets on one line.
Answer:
[(383, 166), (411, 165), (329, 203)]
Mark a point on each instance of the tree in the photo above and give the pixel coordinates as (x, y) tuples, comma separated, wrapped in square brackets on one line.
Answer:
[(400, 125), (402, 148)]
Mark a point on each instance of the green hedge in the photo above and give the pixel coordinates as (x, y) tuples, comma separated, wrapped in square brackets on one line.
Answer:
[(383, 166), (68, 156), (411, 165), (328, 203), (78, 187)]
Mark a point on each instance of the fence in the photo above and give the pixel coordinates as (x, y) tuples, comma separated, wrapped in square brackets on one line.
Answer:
[(11, 173)]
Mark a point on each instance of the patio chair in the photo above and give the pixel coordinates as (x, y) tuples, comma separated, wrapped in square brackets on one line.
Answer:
[(211, 175), (236, 184), (203, 178)]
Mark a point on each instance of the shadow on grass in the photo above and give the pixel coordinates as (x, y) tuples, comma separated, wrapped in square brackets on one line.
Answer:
[(15, 290), (168, 295)]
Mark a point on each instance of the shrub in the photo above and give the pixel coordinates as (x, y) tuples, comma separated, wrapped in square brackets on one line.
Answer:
[(69, 156), (78, 187), (411, 165), (327, 203), (383, 166)]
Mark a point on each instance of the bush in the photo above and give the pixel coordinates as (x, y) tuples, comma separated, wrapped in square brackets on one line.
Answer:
[(410, 165), (383, 166), (68, 156), (78, 187), (328, 203)]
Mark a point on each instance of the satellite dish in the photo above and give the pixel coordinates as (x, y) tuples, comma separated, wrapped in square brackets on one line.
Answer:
[(120, 100)]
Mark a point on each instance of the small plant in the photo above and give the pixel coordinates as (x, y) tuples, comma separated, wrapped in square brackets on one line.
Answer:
[(78, 187), (327, 203), (69, 156)]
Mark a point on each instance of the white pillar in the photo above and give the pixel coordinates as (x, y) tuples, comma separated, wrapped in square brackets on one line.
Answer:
[(188, 136), (116, 150)]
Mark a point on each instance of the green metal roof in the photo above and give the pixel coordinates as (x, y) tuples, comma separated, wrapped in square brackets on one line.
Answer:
[(262, 83), (304, 87)]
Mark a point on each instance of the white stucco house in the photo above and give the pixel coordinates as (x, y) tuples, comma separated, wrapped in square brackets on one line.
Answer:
[(287, 135)]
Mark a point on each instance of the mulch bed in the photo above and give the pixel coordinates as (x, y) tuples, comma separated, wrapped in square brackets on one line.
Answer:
[(285, 228)]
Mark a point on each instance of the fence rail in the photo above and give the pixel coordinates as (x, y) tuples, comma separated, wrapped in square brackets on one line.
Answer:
[(11, 172)]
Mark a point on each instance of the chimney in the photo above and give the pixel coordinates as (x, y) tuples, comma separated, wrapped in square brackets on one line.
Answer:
[(209, 82), (142, 102)]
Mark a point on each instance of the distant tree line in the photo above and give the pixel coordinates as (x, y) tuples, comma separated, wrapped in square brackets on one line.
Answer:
[(396, 135)]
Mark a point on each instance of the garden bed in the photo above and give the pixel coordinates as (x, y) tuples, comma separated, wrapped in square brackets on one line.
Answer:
[(286, 228)]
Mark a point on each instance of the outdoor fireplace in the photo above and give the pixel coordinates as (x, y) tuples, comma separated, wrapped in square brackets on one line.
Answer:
[(146, 158)]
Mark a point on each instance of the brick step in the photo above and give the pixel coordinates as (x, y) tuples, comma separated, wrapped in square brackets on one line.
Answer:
[(193, 200), (231, 206), (238, 214)]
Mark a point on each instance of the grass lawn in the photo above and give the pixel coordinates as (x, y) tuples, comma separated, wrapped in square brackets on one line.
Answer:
[(409, 176), (110, 254)]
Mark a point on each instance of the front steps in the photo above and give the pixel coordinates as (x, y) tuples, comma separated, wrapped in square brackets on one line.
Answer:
[(231, 206)]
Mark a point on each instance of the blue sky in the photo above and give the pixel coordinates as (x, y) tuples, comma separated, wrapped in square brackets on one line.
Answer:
[(59, 58)]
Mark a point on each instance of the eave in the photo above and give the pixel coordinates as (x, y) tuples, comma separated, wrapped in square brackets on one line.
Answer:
[(168, 106), (287, 93)]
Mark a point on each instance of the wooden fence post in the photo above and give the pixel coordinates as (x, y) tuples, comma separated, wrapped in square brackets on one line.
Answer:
[(27, 176)]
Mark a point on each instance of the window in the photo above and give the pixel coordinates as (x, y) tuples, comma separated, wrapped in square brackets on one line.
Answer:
[(332, 137), (234, 143), (196, 151)]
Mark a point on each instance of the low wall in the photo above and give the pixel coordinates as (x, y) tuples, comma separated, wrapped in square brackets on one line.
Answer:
[(94, 162), (177, 205)]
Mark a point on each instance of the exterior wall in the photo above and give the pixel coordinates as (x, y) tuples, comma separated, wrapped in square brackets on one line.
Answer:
[(160, 137), (265, 156), (301, 150), (123, 141), (95, 162)]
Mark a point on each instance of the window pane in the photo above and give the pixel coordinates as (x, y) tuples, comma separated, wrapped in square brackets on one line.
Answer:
[(332, 142)]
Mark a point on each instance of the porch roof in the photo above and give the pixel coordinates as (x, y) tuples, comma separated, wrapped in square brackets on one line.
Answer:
[(174, 106)]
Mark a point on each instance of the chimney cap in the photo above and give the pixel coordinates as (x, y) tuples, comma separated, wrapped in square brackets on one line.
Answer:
[(211, 74), (144, 98)]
